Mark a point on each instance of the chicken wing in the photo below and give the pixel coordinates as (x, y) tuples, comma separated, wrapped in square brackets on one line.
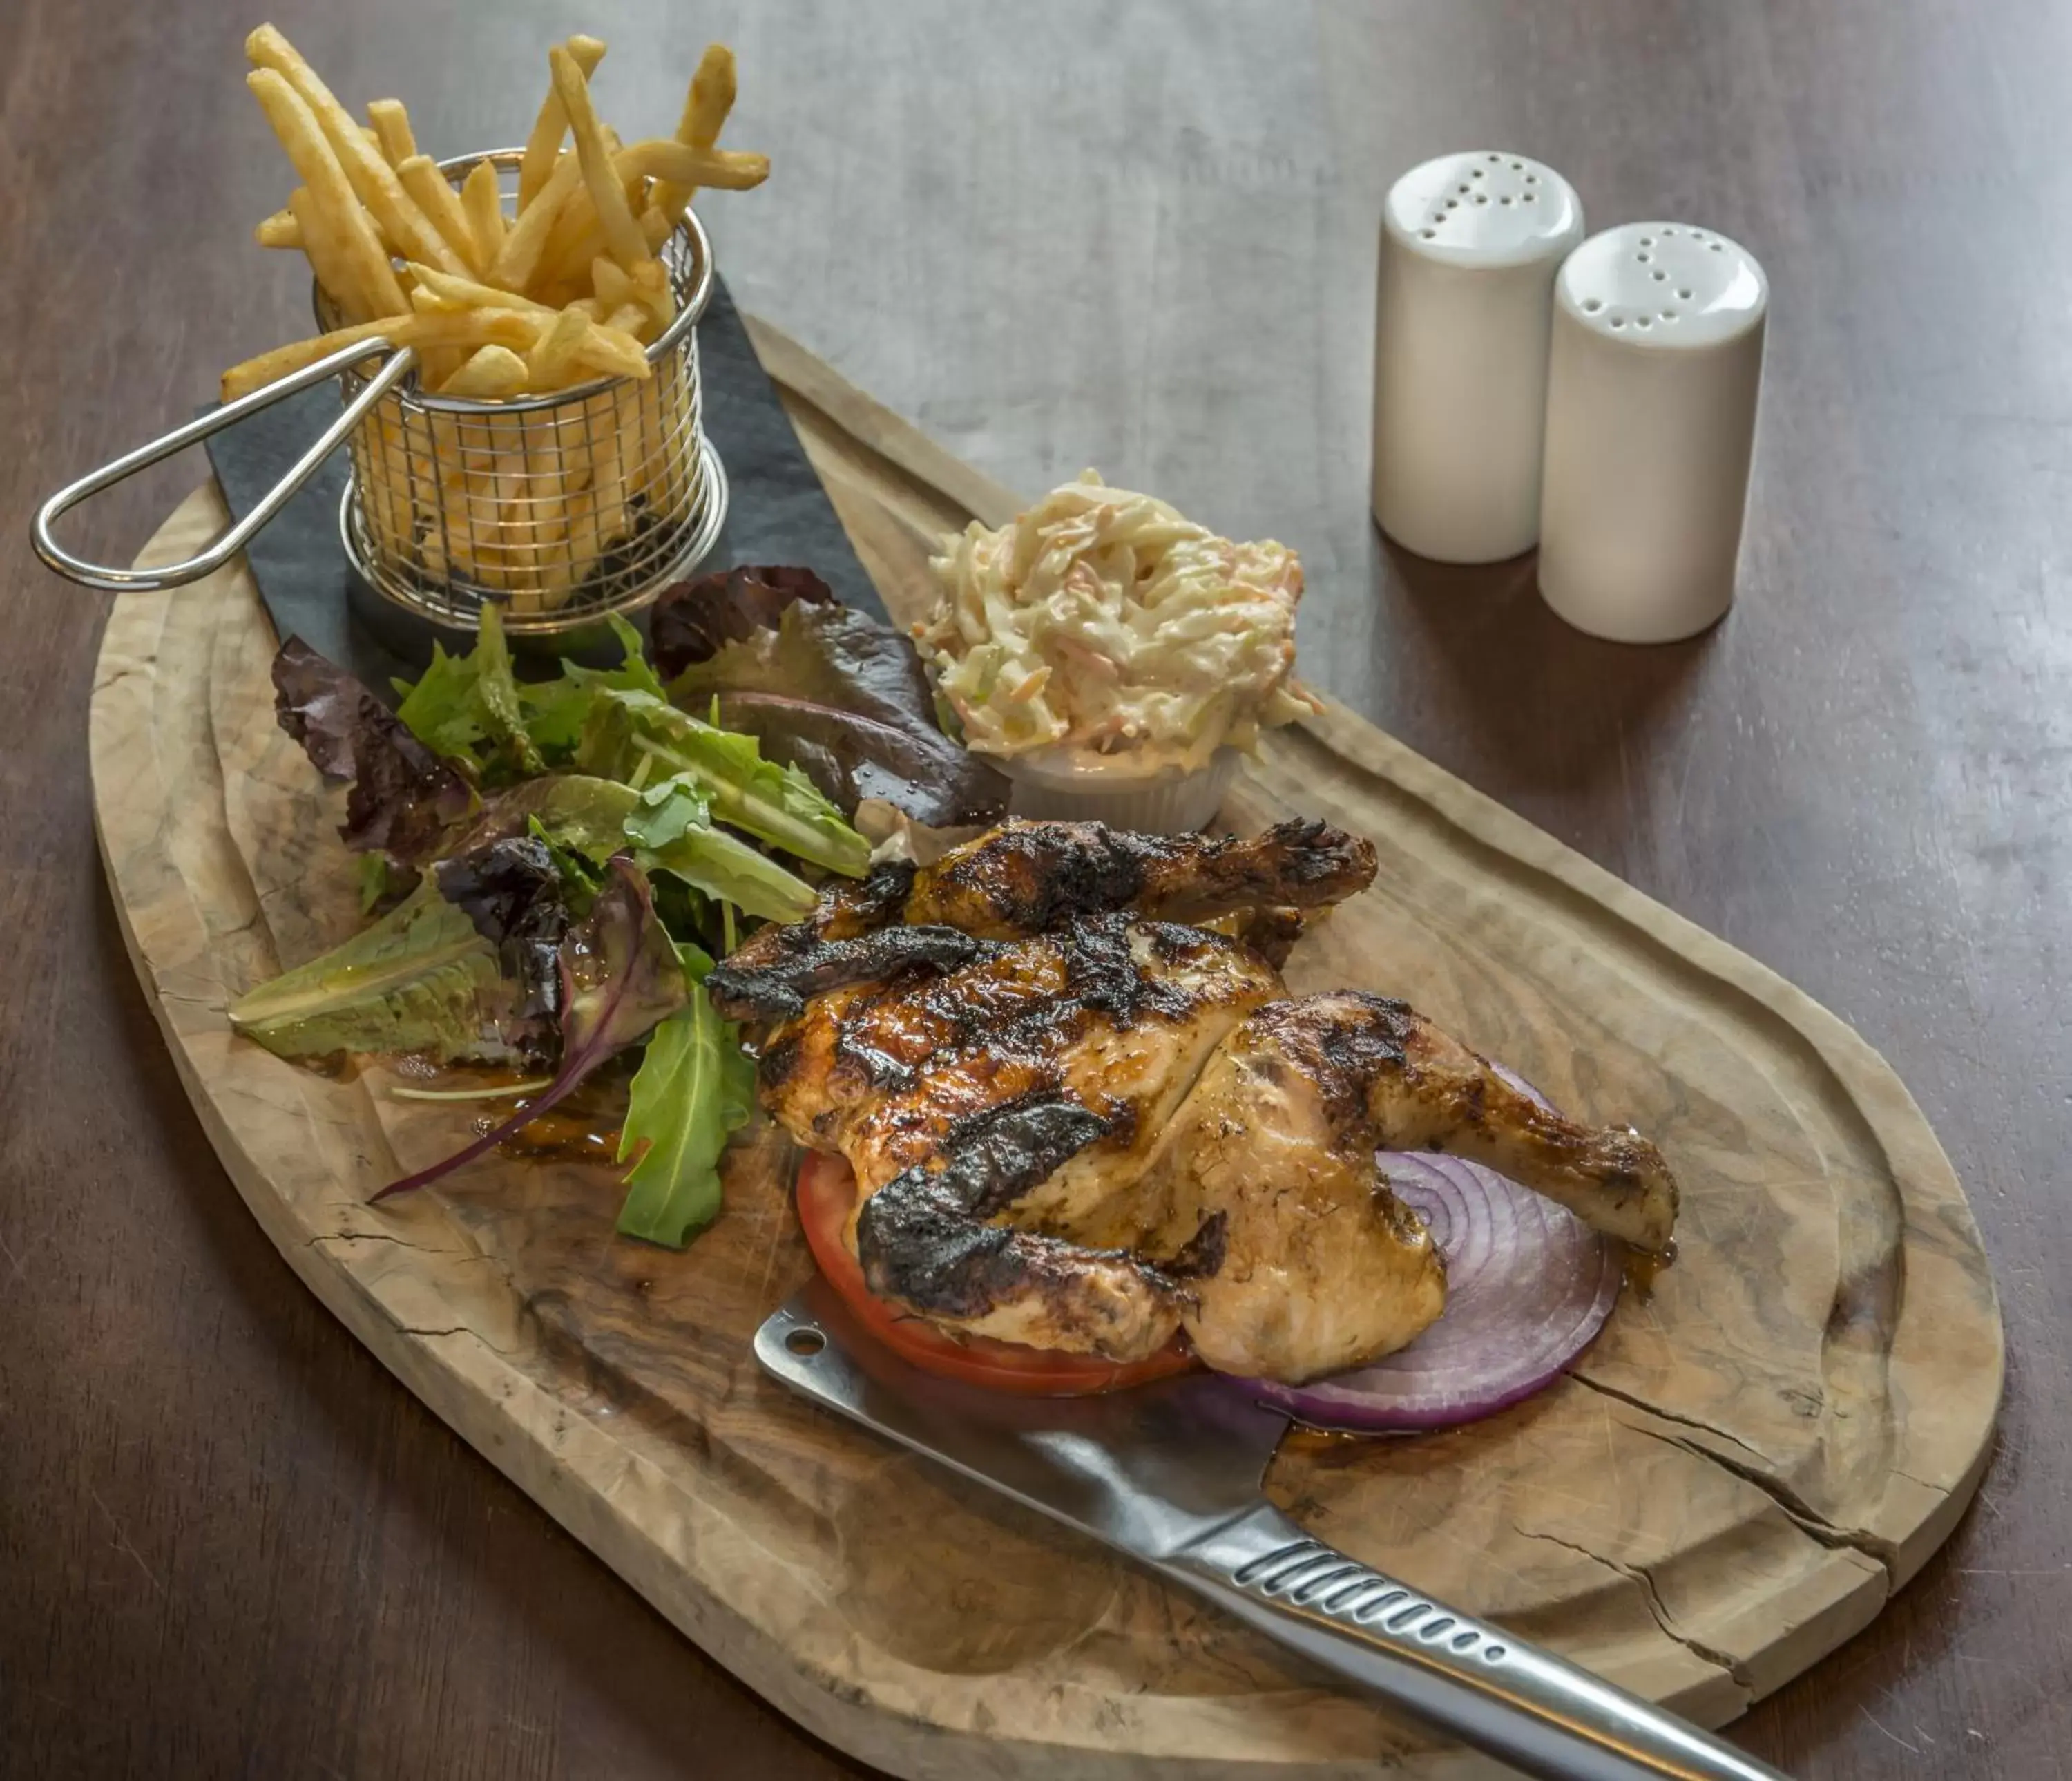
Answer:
[(1027, 877)]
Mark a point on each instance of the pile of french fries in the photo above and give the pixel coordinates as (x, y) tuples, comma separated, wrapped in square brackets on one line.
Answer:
[(567, 288)]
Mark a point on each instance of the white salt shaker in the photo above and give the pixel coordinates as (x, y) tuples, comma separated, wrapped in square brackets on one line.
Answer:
[(1650, 426), (1469, 247)]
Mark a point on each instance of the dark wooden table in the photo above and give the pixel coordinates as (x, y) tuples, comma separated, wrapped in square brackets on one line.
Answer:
[(1056, 235)]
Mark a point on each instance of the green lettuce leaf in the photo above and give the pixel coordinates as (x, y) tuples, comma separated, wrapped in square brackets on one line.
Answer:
[(694, 1087), (635, 736), (442, 710), (469, 709), (420, 980), (580, 881), (557, 710), (598, 818)]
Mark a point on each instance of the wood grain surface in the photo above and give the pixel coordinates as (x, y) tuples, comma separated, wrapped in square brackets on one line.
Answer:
[(1141, 238), (1745, 1466)]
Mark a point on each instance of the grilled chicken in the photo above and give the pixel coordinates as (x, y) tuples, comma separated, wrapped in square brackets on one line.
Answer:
[(1078, 1123)]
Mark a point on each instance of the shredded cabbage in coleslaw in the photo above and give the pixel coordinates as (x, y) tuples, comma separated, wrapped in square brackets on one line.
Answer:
[(1103, 623)]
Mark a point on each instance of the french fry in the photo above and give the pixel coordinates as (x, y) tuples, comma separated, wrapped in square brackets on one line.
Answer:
[(471, 328), (392, 130), (705, 108), (578, 235), (637, 302), (622, 234), (328, 257), (577, 238), (613, 352), (520, 256), (329, 190), (562, 292), (552, 362), (436, 363), (280, 230), (730, 170), (492, 373), (483, 201), (263, 368), (612, 282), (430, 192), (454, 292), (551, 124), (596, 518), (652, 290), (373, 180)]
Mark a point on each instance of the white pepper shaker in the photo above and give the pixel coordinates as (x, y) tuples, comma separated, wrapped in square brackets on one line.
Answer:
[(1469, 247), (1650, 427)]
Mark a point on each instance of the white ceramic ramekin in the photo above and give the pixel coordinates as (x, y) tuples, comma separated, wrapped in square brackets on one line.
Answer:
[(1165, 801)]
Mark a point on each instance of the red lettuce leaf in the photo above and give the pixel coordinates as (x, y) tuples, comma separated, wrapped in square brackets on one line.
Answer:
[(693, 621), (845, 700), (512, 891), (404, 797), (620, 976)]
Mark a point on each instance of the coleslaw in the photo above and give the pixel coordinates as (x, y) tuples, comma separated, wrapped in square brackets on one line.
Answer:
[(1103, 626)]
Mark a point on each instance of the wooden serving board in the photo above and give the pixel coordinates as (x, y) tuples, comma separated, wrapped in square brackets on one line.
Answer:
[(1730, 1484)]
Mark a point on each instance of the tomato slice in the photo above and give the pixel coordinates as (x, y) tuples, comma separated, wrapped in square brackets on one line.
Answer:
[(827, 1195)]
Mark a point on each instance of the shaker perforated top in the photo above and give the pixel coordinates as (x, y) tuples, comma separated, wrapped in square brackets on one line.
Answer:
[(1663, 285), (1483, 209)]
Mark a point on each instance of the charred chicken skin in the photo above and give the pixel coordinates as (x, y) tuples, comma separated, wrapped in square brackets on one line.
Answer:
[(1079, 1122)]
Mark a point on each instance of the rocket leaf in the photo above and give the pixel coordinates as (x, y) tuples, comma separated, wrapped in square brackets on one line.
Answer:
[(597, 817), (693, 1088), (469, 708)]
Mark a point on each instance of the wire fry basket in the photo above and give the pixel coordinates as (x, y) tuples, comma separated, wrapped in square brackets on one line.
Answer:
[(561, 508)]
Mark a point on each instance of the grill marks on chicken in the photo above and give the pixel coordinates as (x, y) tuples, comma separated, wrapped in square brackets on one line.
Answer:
[(1121, 1014), (923, 1240), (1079, 1129), (1025, 878), (1028, 878)]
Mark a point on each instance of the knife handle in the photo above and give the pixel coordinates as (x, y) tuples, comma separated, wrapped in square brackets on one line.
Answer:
[(1544, 1717)]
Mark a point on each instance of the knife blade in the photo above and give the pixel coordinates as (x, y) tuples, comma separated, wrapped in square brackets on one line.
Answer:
[(1169, 1472)]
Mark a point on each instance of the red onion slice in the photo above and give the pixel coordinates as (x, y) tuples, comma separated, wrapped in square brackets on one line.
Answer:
[(1528, 1286)]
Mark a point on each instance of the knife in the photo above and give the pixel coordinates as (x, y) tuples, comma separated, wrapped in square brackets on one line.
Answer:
[(1169, 1472)]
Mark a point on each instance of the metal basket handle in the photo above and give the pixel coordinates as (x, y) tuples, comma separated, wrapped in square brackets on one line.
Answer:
[(121, 581)]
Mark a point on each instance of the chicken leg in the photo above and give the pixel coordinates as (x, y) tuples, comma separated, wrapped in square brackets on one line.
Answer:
[(1323, 1267)]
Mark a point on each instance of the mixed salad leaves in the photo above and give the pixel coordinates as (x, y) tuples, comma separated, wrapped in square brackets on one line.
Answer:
[(553, 865)]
